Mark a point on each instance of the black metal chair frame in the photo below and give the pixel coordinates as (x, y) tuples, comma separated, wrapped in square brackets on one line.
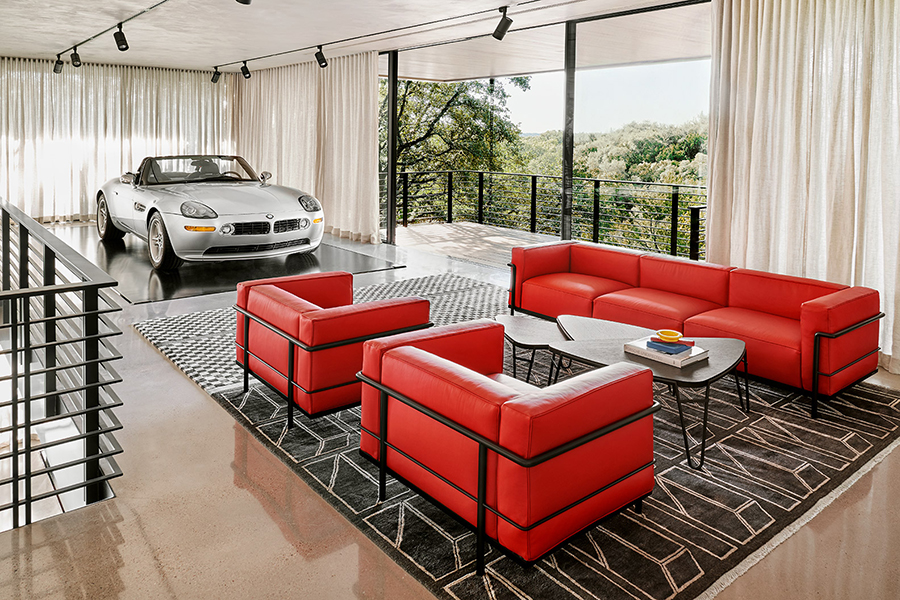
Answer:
[(484, 445), (818, 337), (294, 343)]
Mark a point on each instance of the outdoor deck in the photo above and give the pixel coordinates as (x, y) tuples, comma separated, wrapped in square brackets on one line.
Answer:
[(483, 244)]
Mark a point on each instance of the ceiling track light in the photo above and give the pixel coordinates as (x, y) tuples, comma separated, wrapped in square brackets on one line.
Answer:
[(58, 65), (503, 25), (121, 42), (245, 71), (320, 58), (216, 75), (76, 60), (247, 2)]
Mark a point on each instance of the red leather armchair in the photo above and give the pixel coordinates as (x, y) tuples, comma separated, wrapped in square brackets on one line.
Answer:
[(525, 466), (306, 330)]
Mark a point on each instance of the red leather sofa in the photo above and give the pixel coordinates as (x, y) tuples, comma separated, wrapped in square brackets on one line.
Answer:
[(794, 328), (305, 329), (528, 467)]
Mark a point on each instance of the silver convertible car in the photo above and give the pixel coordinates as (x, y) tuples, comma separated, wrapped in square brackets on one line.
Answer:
[(207, 208)]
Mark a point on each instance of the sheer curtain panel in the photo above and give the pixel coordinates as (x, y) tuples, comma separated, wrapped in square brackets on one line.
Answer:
[(805, 143), (63, 135), (317, 130)]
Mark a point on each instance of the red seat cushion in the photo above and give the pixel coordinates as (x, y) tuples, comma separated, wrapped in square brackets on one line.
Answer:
[(557, 294), (646, 307), (773, 342)]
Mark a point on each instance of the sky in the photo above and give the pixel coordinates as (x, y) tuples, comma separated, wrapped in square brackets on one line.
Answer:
[(606, 99)]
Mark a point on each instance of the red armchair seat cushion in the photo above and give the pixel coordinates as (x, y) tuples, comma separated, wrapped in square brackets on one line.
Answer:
[(773, 342), (557, 294), (651, 308)]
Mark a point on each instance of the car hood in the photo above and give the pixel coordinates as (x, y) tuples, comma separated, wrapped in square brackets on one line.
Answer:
[(232, 198)]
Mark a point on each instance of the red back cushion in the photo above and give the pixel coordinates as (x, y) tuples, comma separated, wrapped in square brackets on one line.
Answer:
[(600, 261), (686, 277), (779, 295), (468, 398)]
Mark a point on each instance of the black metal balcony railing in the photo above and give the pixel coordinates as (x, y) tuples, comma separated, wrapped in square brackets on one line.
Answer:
[(659, 217), (54, 353)]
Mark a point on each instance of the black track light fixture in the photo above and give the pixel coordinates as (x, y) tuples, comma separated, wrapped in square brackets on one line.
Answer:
[(245, 71), (320, 58), (76, 60), (247, 2), (58, 65), (503, 25), (216, 75), (121, 42)]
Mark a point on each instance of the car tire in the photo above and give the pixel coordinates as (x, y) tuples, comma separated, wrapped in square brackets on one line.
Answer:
[(162, 256), (105, 227)]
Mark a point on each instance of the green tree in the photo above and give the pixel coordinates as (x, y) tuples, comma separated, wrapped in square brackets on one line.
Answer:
[(458, 126)]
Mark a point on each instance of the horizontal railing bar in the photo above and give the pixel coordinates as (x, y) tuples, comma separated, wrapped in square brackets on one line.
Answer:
[(115, 450), (61, 317), (94, 276), (60, 442), (107, 405), (117, 472), (98, 336), (44, 370)]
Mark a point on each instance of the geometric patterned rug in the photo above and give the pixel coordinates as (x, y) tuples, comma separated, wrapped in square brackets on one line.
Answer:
[(766, 472)]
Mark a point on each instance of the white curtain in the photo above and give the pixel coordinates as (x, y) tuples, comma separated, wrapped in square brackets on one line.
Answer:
[(317, 130), (62, 135), (805, 144)]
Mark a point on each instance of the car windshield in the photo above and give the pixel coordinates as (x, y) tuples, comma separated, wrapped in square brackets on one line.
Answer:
[(194, 169)]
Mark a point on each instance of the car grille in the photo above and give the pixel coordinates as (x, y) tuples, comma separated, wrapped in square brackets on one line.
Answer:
[(255, 247), (287, 225), (254, 228)]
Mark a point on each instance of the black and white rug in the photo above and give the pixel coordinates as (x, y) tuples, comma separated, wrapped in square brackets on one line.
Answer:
[(766, 472)]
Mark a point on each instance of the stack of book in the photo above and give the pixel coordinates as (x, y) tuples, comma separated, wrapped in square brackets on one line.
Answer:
[(679, 354)]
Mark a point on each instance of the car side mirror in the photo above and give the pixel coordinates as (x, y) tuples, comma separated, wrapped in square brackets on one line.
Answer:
[(127, 178), (264, 177)]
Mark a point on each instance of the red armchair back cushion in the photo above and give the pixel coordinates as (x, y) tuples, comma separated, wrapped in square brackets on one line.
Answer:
[(475, 345)]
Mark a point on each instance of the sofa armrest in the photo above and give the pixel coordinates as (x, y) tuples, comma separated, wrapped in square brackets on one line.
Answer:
[(834, 313), (331, 325), (535, 423), (329, 289), (531, 261), (476, 345)]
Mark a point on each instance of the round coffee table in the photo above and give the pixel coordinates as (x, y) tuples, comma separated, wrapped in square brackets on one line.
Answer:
[(599, 343)]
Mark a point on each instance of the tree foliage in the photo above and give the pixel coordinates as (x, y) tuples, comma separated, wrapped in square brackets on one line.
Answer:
[(454, 126), (646, 151)]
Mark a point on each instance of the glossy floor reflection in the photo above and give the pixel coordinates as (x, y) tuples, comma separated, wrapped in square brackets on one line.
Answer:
[(126, 261), (204, 511)]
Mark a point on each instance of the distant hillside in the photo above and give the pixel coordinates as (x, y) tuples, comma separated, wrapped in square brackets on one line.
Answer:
[(636, 152)]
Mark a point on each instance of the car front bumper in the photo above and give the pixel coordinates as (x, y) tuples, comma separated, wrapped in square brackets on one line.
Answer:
[(247, 241)]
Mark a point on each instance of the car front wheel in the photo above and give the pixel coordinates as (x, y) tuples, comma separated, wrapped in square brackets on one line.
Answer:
[(162, 256), (105, 227)]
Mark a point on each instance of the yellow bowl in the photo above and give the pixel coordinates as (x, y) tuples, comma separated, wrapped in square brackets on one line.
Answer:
[(667, 335)]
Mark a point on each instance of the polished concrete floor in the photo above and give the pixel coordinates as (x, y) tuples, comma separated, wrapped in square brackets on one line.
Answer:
[(127, 262), (203, 511)]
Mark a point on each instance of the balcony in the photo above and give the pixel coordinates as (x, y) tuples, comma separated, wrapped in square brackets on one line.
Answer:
[(655, 217)]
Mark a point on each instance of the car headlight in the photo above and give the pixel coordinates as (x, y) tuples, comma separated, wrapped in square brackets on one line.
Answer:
[(310, 204), (196, 210)]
